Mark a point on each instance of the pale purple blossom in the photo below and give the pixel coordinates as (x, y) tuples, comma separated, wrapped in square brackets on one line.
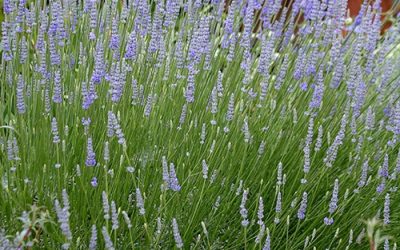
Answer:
[(364, 174), (386, 210), (106, 206), (173, 179), (114, 216), (107, 239), (54, 131), (177, 235), (260, 213), (243, 210), (90, 154), (94, 182), (267, 244), (131, 47), (93, 239), (140, 202), (204, 169), (301, 213), (333, 203), (127, 219), (21, 108), (63, 219), (278, 207)]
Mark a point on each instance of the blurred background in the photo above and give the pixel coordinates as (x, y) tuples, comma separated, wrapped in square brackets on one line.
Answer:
[(390, 9)]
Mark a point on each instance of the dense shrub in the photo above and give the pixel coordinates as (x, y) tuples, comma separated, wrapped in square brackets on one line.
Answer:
[(167, 124)]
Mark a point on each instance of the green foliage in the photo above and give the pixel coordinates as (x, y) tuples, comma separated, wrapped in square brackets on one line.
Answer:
[(235, 162)]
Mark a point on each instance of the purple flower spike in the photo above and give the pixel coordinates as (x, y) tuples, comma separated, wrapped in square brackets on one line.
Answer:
[(54, 131), (301, 213), (278, 207), (93, 13), (183, 115), (63, 219), (5, 41), (93, 239), (364, 175), (130, 53), (165, 173), (86, 121), (318, 91), (231, 108), (304, 86), (328, 221), (109, 245), (57, 91), (177, 235), (189, 94), (172, 12), (55, 57), (140, 202), (384, 170), (267, 244), (386, 210), (260, 212), (20, 95), (93, 182), (23, 51), (110, 121), (116, 83), (90, 155), (114, 128), (381, 187), (204, 169), (173, 181), (99, 66), (7, 7), (114, 41), (149, 105), (243, 211), (333, 203)]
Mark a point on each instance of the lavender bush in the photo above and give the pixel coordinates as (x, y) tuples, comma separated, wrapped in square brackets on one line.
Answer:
[(179, 124)]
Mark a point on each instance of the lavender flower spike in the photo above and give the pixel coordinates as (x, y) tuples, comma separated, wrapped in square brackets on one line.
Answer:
[(267, 244), (91, 156), (131, 47), (127, 219), (93, 239), (106, 206), (177, 236), (63, 218), (243, 210), (278, 207), (107, 239), (386, 210), (57, 91), (260, 213), (301, 213), (333, 204), (205, 169), (114, 216), (54, 131), (173, 181), (20, 95), (165, 174), (140, 202)]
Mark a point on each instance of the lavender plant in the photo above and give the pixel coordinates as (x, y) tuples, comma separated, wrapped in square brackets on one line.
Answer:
[(247, 118)]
